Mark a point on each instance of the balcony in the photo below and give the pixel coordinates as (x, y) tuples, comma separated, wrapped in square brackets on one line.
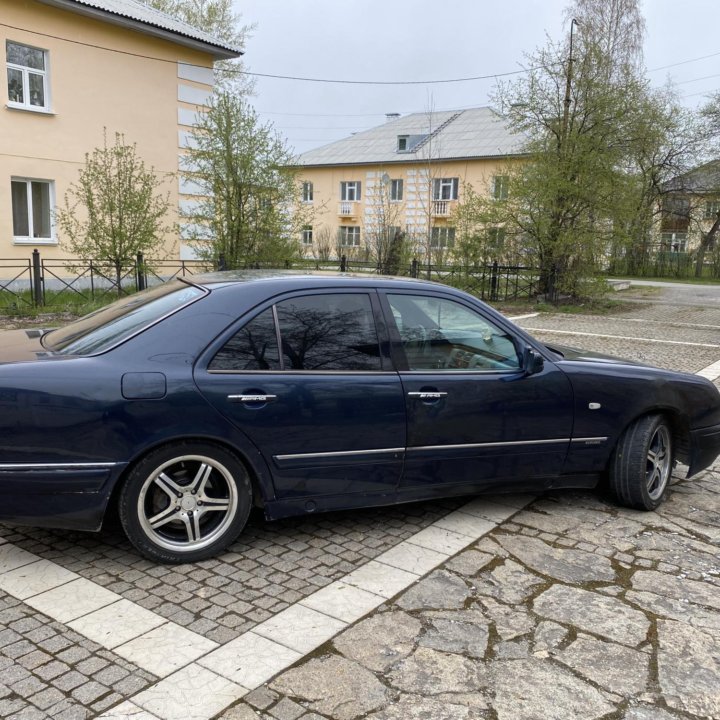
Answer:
[(441, 208), (347, 208)]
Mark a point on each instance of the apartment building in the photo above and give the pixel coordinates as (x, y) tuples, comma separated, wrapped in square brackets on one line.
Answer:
[(404, 176), (76, 69)]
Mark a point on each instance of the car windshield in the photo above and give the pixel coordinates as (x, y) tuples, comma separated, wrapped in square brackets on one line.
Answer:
[(111, 325)]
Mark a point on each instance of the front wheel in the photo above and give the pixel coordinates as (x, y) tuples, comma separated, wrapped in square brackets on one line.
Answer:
[(642, 463), (185, 502)]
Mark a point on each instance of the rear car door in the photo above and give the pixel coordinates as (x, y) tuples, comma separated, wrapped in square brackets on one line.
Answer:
[(475, 418), (306, 380)]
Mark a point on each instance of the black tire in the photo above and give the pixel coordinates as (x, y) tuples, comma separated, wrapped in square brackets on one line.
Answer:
[(642, 463), (185, 502)]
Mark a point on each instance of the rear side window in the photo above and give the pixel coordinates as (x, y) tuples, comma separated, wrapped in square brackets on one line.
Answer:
[(334, 332), (254, 347)]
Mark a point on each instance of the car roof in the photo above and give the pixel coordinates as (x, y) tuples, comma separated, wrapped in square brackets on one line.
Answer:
[(291, 279)]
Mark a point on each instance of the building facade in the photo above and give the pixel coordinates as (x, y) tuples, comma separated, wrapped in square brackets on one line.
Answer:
[(77, 70), (403, 178)]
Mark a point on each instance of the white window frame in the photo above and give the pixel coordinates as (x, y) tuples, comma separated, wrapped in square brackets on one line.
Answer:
[(442, 237), (31, 239), (496, 237), (500, 187), (396, 190), (445, 188), (350, 191), (307, 191), (349, 236), (712, 207), (26, 72), (672, 239), (307, 235)]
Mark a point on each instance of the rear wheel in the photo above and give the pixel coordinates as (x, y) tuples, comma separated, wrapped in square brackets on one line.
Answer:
[(185, 502), (642, 463)]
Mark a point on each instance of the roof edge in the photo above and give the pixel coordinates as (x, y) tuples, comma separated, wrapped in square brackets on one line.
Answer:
[(219, 52), (416, 161)]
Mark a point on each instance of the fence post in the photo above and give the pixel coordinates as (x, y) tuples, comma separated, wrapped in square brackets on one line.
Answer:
[(414, 268), (494, 281), (221, 262), (343, 264), (37, 279), (140, 272)]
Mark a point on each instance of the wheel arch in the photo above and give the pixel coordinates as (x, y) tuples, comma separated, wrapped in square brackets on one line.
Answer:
[(679, 428), (249, 458)]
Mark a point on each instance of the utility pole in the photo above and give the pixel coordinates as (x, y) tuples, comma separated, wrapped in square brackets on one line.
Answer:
[(568, 86)]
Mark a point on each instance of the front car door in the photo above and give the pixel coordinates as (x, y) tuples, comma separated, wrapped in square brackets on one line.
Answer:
[(475, 418), (309, 381)]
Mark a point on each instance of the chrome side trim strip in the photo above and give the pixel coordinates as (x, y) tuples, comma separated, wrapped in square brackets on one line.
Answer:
[(590, 439), (491, 444), (56, 466), (342, 453)]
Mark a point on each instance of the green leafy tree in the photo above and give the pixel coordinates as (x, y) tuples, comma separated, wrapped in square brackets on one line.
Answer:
[(116, 208), (219, 19), (582, 109), (250, 211)]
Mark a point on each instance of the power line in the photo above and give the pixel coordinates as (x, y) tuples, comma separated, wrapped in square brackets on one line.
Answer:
[(684, 62), (269, 75), (387, 82)]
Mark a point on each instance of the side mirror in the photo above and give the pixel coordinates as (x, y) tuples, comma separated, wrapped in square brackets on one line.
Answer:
[(533, 362)]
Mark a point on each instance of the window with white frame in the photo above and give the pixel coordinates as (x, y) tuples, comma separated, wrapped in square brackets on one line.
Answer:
[(396, 190), (26, 77), (442, 237), (307, 192), (349, 235), (712, 208), (674, 241), (350, 191), (496, 238), (307, 235), (500, 187), (32, 202), (445, 189)]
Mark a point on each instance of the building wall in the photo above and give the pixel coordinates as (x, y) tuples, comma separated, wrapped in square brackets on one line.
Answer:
[(416, 209), (142, 87)]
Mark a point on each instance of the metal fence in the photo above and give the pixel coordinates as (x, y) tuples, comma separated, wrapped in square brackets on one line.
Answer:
[(46, 283), (38, 282)]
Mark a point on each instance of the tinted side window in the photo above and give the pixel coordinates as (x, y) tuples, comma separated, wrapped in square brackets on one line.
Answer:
[(440, 334), (328, 332), (253, 347)]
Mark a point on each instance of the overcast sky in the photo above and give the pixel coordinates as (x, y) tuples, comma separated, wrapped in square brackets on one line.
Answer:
[(421, 40)]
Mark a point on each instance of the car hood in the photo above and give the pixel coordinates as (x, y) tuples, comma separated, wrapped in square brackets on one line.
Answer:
[(19, 345), (578, 355)]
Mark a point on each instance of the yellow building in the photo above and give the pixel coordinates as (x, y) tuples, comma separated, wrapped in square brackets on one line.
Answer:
[(405, 176), (74, 69)]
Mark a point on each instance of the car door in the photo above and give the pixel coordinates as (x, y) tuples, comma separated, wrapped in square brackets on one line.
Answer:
[(307, 381), (475, 417)]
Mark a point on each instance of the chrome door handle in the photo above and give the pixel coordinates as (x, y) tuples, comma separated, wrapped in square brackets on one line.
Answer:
[(251, 398), (428, 395)]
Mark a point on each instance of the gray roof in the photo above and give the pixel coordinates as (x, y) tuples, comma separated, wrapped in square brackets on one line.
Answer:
[(704, 179), (475, 133), (143, 18)]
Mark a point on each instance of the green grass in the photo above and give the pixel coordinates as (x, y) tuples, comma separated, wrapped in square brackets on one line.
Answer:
[(64, 304)]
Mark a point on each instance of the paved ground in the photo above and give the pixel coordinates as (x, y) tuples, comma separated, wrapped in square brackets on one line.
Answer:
[(562, 606)]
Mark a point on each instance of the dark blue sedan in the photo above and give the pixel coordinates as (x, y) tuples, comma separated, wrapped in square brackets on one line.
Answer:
[(187, 404)]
